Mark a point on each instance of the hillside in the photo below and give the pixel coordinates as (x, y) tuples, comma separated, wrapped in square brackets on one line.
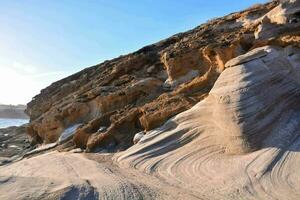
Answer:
[(12, 111), (211, 113), (142, 90)]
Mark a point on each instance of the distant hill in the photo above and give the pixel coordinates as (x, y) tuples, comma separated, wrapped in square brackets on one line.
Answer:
[(13, 111)]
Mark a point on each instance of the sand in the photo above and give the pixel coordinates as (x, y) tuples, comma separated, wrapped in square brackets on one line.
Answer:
[(58, 175)]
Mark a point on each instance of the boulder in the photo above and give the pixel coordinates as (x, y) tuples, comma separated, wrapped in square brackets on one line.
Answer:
[(138, 136)]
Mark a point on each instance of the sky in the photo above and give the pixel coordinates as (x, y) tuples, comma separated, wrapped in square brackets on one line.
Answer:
[(44, 41)]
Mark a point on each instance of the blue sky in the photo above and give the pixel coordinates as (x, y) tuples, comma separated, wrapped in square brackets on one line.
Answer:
[(43, 41)]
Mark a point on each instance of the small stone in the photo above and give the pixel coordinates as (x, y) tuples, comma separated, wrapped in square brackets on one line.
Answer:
[(77, 150), (138, 137), (151, 69), (102, 129)]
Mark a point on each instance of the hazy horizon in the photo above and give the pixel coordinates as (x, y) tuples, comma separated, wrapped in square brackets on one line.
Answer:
[(44, 41)]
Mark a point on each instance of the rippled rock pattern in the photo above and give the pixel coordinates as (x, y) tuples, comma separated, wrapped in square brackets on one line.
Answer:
[(242, 141), (212, 113)]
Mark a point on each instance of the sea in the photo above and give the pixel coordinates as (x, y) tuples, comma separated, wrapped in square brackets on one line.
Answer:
[(4, 123)]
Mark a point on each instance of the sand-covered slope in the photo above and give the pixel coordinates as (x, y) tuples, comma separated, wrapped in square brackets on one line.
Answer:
[(71, 176)]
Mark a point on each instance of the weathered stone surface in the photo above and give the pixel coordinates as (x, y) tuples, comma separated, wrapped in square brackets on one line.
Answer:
[(14, 142), (140, 91), (245, 133), (137, 137), (283, 18)]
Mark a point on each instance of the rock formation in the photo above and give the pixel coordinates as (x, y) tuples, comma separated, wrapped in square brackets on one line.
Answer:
[(211, 113), (13, 142), (242, 141), (140, 91)]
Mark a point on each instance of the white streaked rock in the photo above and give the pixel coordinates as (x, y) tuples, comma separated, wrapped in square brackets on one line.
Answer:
[(241, 142)]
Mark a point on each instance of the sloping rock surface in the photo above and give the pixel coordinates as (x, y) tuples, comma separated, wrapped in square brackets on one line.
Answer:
[(68, 175), (13, 142), (215, 111), (241, 142), (140, 91)]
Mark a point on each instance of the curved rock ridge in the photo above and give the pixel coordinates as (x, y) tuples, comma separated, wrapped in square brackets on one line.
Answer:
[(241, 142), (141, 91)]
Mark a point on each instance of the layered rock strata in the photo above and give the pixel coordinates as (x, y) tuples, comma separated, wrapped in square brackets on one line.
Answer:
[(241, 142), (140, 91)]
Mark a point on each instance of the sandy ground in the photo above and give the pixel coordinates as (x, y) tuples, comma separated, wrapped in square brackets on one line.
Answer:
[(67, 175)]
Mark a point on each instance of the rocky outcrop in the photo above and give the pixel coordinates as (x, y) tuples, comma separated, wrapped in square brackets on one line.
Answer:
[(241, 142), (281, 19), (13, 142), (140, 91)]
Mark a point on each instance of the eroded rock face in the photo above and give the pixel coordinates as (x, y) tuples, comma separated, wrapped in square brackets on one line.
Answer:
[(257, 97), (285, 17), (241, 142), (140, 91)]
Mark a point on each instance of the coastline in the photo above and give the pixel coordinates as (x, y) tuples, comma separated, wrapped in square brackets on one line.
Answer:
[(13, 142), (10, 122)]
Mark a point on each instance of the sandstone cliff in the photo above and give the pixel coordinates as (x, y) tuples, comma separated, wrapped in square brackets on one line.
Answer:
[(140, 91)]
